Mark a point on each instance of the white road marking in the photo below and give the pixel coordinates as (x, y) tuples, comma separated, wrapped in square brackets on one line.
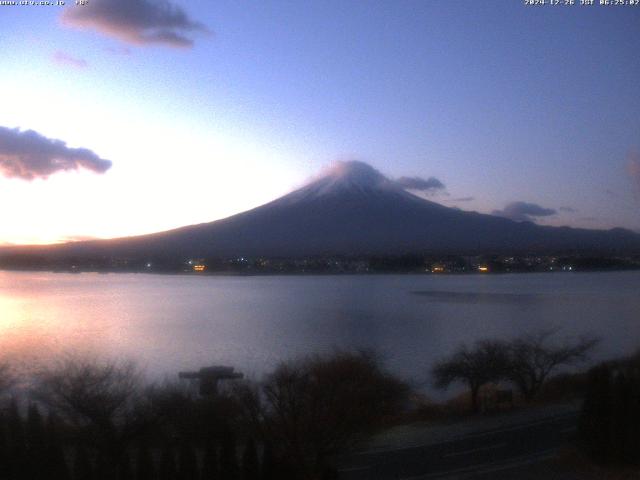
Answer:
[(473, 450), (457, 438), (512, 428), (488, 467), (356, 469)]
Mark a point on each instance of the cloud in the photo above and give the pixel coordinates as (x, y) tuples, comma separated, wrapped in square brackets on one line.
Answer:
[(138, 22), (118, 50), (524, 212), (463, 199), (431, 184), (29, 155), (633, 168), (567, 209), (62, 58)]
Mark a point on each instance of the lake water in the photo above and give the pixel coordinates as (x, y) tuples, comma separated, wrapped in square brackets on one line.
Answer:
[(176, 322)]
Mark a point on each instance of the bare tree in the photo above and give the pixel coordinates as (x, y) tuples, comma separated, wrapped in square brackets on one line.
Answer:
[(103, 398), (88, 390), (321, 406), (533, 357), (7, 378), (486, 362)]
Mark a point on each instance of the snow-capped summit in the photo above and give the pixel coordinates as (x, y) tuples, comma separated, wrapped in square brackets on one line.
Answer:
[(353, 175), (343, 178)]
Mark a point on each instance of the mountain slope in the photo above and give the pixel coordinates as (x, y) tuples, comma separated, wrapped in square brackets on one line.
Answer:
[(353, 209)]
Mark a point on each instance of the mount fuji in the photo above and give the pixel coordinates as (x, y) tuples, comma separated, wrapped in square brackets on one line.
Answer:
[(352, 209)]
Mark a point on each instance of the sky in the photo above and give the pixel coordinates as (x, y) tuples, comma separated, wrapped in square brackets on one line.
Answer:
[(123, 117)]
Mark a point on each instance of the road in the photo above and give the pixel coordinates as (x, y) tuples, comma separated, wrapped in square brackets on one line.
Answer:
[(477, 455)]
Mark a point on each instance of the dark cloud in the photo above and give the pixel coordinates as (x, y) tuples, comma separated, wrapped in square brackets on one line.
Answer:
[(138, 22), (524, 212), (633, 168), (118, 50), (431, 184), (28, 155), (567, 209), (463, 199), (62, 58)]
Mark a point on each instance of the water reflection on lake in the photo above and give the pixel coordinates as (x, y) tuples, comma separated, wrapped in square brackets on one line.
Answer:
[(173, 322)]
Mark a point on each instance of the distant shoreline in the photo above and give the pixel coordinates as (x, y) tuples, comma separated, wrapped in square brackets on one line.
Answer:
[(316, 273)]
